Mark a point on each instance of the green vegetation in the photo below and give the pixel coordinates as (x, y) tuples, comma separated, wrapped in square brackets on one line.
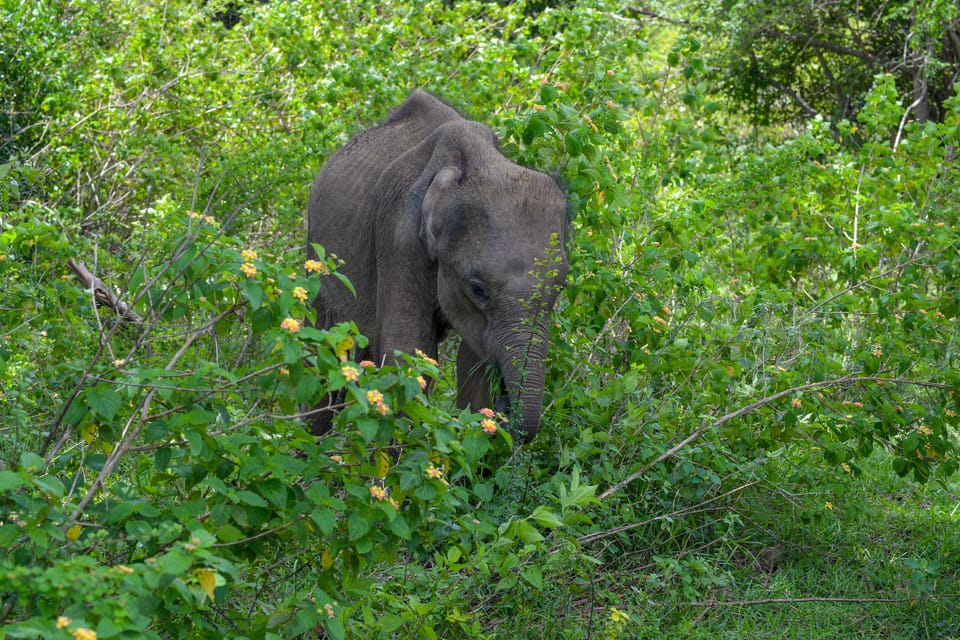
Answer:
[(750, 428)]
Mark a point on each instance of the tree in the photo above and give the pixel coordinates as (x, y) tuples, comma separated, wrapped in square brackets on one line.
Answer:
[(787, 61)]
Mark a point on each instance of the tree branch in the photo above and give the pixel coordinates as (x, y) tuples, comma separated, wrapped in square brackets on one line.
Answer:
[(699, 433), (102, 295)]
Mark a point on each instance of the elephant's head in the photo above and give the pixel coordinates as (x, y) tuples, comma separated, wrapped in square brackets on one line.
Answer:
[(495, 233)]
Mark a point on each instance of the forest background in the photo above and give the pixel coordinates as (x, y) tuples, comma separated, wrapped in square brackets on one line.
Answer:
[(750, 423)]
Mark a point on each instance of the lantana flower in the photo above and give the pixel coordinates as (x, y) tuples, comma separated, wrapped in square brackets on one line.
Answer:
[(249, 269), (378, 493), (290, 325), (315, 266), (300, 294), (352, 374), (249, 255), (489, 426)]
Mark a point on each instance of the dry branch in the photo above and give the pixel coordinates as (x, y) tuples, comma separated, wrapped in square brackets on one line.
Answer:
[(103, 296)]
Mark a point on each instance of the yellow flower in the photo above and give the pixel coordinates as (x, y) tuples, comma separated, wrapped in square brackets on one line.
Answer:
[(248, 269), (433, 472), (845, 467), (337, 459), (374, 397), (422, 383), (425, 357), (249, 255), (925, 430), (352, 374), (489, 426), (85, 634), (618, 617), (315, 266), (290, 325), (828, 505), (63, 621), (378, 493), (119, 362), (300, 294), (796, 403), (382, 409)]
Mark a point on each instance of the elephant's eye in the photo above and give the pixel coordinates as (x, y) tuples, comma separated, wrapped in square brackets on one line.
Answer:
[(477, 291)]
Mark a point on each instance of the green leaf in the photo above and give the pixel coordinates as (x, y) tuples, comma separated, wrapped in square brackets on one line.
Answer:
[(357, 526), (528, 533), (10, 480), (399, 527), (104, 401), (250, 498), (533, 575), (174, 562), (325, 519), (546, 518), (535, 128)]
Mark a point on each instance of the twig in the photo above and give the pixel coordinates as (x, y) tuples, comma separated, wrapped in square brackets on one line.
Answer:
[(696, 435)]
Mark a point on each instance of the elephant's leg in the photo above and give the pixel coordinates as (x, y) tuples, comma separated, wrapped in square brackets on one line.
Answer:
[(473, 379)]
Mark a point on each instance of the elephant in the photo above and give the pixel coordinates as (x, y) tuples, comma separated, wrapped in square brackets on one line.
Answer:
[(438, 230)]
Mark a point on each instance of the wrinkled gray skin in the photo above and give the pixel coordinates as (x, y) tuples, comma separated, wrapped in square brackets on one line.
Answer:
[(439, 230)]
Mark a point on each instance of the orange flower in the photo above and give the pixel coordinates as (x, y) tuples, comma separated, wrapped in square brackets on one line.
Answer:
[(290, 325), (378, 493), (374, 397), (489, 426)]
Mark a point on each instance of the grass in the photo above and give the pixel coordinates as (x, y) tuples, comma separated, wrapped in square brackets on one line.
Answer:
[(883, 562)]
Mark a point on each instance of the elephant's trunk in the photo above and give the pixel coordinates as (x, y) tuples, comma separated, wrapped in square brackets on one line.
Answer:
[(521, 360)]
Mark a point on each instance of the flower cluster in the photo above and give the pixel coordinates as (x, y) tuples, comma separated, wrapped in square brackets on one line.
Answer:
[(249, 269), (489, 424), (378, 493), (193, 215), (249, 255), (352, 374), (436, 473), (426, 358), (315, 266), (291, 325), (375, 398), (300, 294)]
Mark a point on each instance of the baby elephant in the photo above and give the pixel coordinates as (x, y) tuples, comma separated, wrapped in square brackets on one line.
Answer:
[(438, 230)]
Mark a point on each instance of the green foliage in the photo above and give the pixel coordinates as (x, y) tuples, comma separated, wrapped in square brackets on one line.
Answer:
[(750, 322)]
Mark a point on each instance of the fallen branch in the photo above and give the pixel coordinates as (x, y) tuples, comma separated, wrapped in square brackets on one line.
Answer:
[(101, 294), (699, 433)]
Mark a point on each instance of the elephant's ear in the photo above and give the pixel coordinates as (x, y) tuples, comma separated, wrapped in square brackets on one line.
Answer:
[(433, 216)]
